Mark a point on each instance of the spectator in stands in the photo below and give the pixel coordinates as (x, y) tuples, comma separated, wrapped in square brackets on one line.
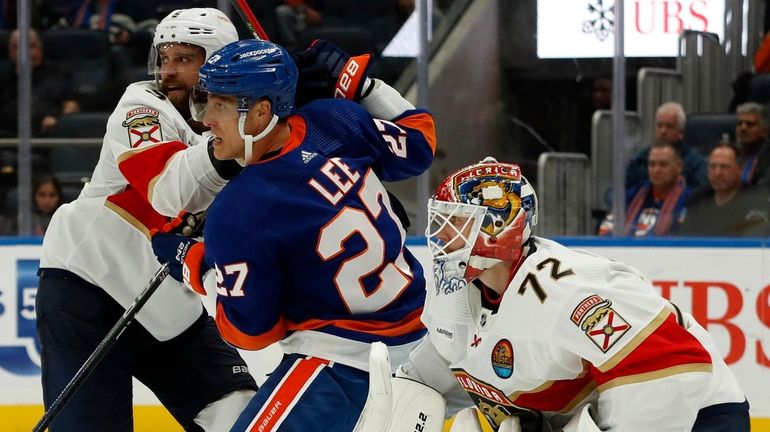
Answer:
[(46, 198), (670, 119), (118, 18), (294, 16), (601, 93), (656, 207), (51, 95), (724, 207), (762, 56), (751, 132)]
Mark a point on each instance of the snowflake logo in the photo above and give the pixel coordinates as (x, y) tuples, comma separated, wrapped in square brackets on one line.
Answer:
[(602, 19)]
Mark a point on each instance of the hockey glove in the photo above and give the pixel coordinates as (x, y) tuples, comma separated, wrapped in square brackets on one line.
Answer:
[(327, 71), (185, 258), (185, 223)]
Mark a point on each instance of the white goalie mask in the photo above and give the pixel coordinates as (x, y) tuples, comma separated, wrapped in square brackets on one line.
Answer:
[(480, 216)]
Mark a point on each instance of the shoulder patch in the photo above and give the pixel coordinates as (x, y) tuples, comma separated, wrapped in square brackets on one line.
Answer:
[(596, 317), (143, 125)]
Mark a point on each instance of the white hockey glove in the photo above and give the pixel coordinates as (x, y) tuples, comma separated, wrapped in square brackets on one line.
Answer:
[(398, 404), (467, 420)]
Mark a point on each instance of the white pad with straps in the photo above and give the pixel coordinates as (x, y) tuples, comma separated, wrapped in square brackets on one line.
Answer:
[(398, 404)]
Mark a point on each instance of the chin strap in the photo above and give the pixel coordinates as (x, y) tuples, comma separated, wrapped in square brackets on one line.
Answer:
[(249, 140)]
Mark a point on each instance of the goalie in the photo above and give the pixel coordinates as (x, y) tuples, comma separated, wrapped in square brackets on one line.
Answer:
[(543, 338)]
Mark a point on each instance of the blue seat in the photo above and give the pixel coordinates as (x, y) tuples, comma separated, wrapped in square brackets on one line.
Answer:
[(85, 52), (77, 160), (759, 90), (703, 131)]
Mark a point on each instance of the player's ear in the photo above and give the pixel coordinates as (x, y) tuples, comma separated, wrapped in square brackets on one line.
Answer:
[(264, 108)]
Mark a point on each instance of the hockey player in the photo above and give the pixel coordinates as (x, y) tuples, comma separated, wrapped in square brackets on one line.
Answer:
[(304, 242), (97, 256), (532, 329)]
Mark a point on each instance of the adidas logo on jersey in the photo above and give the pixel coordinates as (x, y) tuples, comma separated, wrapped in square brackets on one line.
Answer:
[(308, 156)]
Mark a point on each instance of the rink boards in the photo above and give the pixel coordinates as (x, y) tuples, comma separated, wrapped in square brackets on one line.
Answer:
[(724, 283)]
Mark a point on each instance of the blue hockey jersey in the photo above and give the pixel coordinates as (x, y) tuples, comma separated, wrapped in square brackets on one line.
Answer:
[(306, 247)]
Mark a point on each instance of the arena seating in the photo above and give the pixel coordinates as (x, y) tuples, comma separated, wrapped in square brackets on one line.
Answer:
[(702, 131), (85, 52), (564, 180), (75, 161), (759, 90)]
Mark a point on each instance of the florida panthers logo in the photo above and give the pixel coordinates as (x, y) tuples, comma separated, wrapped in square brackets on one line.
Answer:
[(143, 125)]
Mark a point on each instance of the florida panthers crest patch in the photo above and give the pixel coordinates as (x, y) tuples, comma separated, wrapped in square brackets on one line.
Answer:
[(601, 323), (143, 125)]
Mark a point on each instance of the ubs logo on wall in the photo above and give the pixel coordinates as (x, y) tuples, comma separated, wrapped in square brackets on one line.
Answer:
[(19, 347)]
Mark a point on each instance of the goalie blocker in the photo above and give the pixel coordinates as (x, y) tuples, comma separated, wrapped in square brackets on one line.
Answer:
[(398, 404)]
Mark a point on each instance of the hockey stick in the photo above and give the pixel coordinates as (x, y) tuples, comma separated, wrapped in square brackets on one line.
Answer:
[(244, 10), (109, 340)]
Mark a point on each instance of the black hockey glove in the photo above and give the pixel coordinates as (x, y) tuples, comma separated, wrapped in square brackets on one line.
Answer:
[(227, 169), (327, 71)]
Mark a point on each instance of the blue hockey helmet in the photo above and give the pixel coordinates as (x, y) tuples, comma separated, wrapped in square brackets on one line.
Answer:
[(250, 70)]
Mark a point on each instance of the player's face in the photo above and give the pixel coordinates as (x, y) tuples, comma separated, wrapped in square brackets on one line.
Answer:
[(724, 173), (222, 117), (663, 167), (454, 233), (179, 64)]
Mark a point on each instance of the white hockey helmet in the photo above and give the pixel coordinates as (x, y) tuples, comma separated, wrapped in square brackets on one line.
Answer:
[(479, 216), (207, 28)]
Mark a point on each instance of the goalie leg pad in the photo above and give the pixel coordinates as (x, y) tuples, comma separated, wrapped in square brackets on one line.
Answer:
[(398, 404)]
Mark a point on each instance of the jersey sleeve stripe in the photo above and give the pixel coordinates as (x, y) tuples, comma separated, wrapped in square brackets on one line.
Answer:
[(135, 210), (143, 166), (636, 341), (422, 122), (654, 375), (557, 396), (669, 350), (235, 337), (409, 324)]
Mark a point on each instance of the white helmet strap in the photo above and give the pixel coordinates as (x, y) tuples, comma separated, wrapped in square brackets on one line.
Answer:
[(249, 140)]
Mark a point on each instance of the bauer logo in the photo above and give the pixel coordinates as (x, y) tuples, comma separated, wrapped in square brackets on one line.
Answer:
[(19, 347)]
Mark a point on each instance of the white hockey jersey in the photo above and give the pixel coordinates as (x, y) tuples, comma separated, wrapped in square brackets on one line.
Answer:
[(574, 328), (151, 166)]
